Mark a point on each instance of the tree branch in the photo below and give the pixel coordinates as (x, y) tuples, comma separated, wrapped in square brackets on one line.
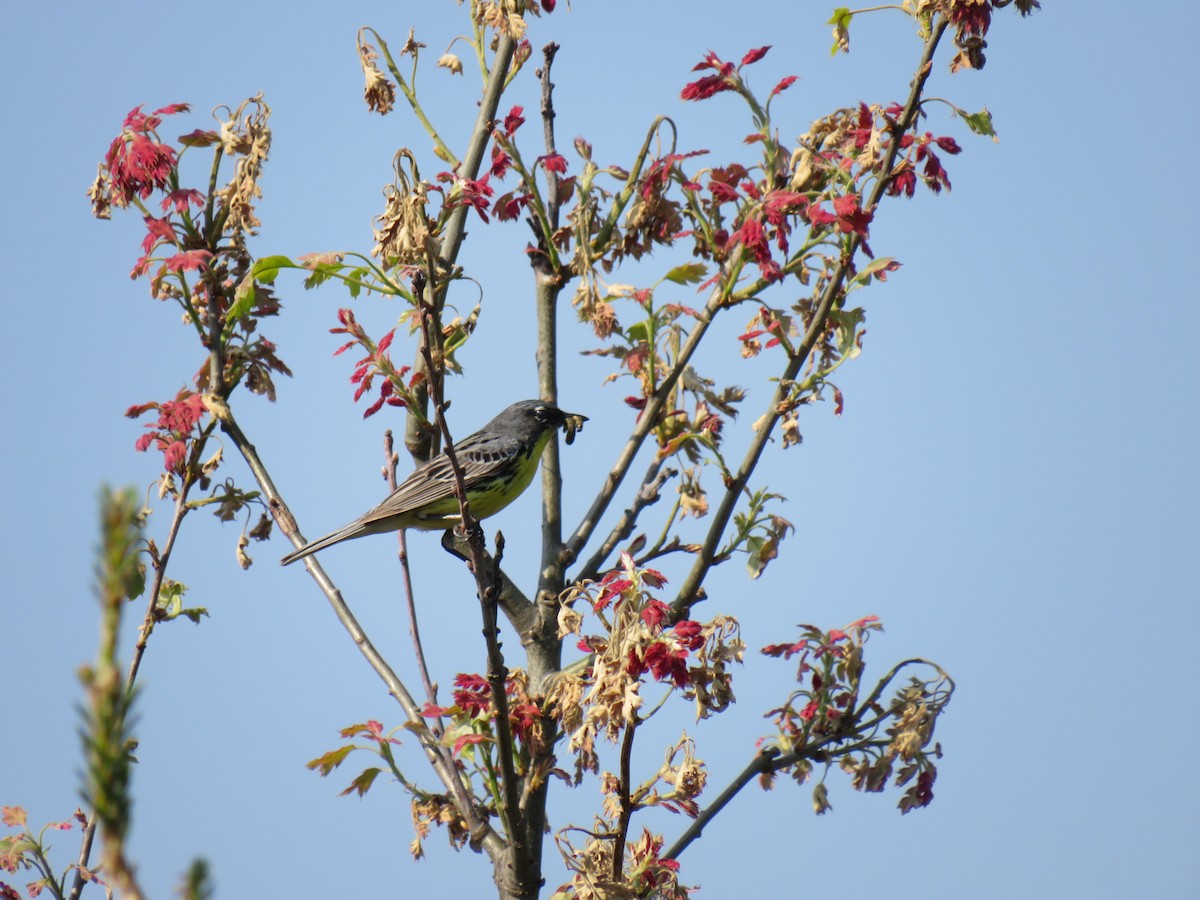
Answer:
[(760, 764), (647, 420), (689, 590), (554, 203), (414, 628), (417, 438), (648, 494), (486, 582), (481, 832), (543, 649), (768, 760), (626, 813), (549, 284)]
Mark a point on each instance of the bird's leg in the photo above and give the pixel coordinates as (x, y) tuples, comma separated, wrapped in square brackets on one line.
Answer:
[(450, 542)]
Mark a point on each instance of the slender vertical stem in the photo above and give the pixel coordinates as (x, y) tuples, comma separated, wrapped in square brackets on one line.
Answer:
[(548, 287), (416, 437), (618, 860), (543, 648), (487, 584), (414, 628)]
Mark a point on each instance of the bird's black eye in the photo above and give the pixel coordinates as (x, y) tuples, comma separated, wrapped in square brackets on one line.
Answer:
[(540, 412)]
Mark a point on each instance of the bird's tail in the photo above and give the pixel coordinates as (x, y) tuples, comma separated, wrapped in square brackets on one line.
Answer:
[(353, 530)]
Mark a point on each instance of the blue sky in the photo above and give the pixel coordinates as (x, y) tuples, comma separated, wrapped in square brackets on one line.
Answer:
[(1012, 486)]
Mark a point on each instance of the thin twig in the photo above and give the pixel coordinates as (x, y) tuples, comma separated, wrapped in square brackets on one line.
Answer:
[(553, 206), (656, 476), (481, 832), (648, 419), (416, 437), (414, 628), (455, 230), (626, 799), (760, 764), (486, 585), (772, 759)]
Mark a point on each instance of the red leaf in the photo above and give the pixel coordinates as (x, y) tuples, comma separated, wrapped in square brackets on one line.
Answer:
[(712, 61), (704, 88), (784, 84), (654, 578), (467, 740), (655, 613), (374, 408), (755, 55), (514, 120)]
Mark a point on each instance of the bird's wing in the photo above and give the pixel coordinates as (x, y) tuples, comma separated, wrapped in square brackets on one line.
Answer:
[(480, 458)]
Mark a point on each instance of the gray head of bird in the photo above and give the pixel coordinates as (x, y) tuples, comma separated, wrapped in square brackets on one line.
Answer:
[(535, 415)]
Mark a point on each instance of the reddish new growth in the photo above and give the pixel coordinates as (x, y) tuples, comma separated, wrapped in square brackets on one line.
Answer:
[(372, 730), (666, 657), (920, 149), (831, 662), (848, 216), (393, 391), (473, 702), (705, 87), (725, 78), (468, 192), (138, 163), (823, 720), (514, 120), (176, 426), (651, 875)]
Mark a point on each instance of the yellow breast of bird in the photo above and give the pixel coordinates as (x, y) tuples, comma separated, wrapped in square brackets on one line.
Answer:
[(489, 497)]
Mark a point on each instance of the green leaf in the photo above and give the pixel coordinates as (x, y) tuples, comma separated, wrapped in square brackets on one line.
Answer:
[(980, 122), (267, 269), (846, 324), (170, 603), (330, 760), (688, 273), (354, 277), (754, 561), (243, 301), (841, 17), (319, 275), (363, 782), (639, 332), (882, 263)]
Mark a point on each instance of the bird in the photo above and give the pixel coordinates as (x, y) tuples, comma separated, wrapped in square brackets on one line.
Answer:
[(497, 461)]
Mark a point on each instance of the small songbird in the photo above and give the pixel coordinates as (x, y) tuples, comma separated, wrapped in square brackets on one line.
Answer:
[(498, 463)]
